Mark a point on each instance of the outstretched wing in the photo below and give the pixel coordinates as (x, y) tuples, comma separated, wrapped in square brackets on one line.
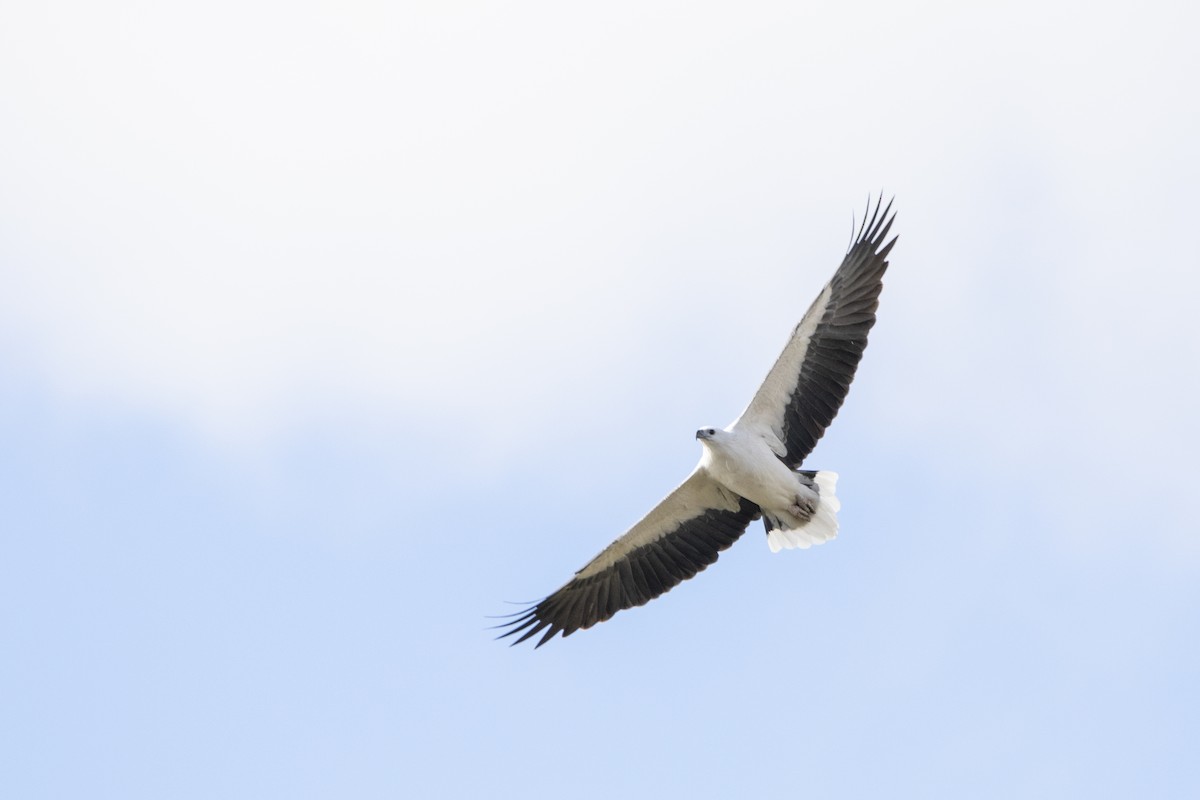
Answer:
[(680, 537), (806, 387)]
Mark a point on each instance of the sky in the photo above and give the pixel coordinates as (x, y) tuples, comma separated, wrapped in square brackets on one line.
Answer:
[(329, 330)]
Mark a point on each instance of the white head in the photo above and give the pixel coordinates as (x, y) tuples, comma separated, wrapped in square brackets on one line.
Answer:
[(712, 441)]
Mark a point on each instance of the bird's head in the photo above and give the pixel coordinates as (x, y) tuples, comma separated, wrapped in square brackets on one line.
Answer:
[(708, 434)]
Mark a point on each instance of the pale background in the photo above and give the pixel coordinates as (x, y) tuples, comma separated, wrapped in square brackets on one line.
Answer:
[(327, 328)]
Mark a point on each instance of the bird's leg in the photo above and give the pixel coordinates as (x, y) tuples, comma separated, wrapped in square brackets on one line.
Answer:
[(804, 507)]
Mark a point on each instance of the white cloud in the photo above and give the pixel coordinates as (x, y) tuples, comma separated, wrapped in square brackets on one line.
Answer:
[(244, 216)]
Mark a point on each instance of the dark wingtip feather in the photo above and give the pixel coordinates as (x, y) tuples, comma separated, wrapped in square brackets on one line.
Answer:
[(869, 229)]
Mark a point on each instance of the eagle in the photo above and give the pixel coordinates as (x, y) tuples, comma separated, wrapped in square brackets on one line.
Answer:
[(749, 469)]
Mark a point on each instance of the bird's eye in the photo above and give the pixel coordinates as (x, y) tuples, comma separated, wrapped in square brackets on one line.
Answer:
[(710, 431)]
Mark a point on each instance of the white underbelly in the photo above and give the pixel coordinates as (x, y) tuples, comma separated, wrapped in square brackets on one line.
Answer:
[(757, 475)]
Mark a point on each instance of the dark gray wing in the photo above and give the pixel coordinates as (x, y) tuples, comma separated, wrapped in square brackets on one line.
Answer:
[(804, 390), (680, 537)]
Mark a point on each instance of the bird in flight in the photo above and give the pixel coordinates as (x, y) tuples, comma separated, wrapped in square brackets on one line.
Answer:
[(747, 470)]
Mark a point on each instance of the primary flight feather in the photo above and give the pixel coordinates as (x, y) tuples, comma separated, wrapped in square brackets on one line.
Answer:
[(747, 470)]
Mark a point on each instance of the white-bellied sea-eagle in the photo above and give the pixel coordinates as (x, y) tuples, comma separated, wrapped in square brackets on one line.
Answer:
[(747, 470)]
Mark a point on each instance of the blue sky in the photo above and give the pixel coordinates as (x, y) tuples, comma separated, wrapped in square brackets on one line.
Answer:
[(326, 330)]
